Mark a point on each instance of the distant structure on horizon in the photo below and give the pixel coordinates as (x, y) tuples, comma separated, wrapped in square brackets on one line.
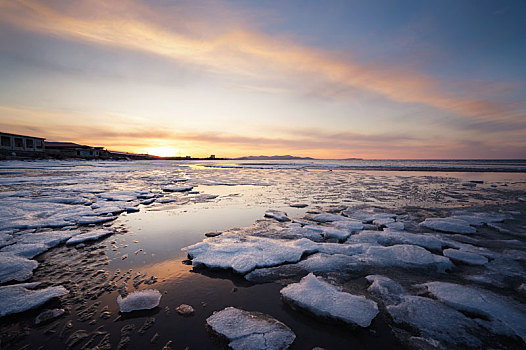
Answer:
[(72, 150), (15, 146), (22, 144)]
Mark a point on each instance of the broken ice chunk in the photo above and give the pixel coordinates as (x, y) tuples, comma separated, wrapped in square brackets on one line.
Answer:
[(250, 330), (177, 188), (465, 257), (15, 268), (330, 232), (390, 291), (298, 205), (507, 316), (26, 250), (18, 298), (5, 239), (139, 300), (243, 254), (435, 320), (323, 299), (383, 221), (48, 315), (121, 196), (392, 237), (278, 215), (403, 255), (328, 218), (90, 236), (350, 225), (49, 238), (449, 225), (396, 225), (86, 220)]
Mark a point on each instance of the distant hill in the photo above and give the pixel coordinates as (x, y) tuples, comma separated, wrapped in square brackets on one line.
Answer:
[(287, 157)]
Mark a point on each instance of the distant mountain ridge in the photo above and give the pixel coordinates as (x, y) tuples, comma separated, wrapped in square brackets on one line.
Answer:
[(286, 157)]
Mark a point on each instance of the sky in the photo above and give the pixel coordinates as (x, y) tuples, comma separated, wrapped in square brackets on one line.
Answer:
[(390, 79)]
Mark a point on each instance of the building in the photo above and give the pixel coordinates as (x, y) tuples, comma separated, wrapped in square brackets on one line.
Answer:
[(21, 144), (73, 150)]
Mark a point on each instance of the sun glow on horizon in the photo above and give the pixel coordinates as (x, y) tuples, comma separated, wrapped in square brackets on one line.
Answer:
[(164, 151)]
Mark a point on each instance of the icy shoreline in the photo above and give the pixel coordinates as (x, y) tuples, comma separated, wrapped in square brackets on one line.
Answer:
[(64, 225)]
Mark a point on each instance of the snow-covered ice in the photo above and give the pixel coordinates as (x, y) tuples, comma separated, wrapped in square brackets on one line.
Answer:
[(449, 225), (48, 315), (390, 291), (29, 250), (139, 300), (250, 330), (86, 220), (325, 300), (506, 315), (404, 255), (435, 320), (330, 232), (278, 215), (90, 236), (15, 268), (326, 217), (350, 225), (19, 297), (49, 238), (465, 257), (245, 253), (392, 237), (177, 188)]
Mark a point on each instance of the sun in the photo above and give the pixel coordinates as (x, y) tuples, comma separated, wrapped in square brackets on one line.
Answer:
[(163, 151)]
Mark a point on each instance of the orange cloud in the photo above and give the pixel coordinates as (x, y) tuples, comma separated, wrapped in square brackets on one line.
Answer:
[(234, 51), (302, 142)]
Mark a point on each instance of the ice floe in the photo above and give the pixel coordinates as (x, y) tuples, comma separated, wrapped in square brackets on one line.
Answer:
[(350, 225), (325, 300), (49, 238), (122, 196), (278, 215), (48, 315), (506, 315), (90, 236), (390, 291), (465, 257), (403, 255), (250, 330), (87, 220), (19, 297), (368, 216), (392, 237), (29, 250), (244, 253), (429, 317), (327, 217), (296, 231), (449, 225), (15, 268), (435, 320), (177, 188), (139, 300)]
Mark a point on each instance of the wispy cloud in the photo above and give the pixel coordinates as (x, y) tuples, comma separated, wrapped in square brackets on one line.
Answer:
[(301, 141), (238, 50)]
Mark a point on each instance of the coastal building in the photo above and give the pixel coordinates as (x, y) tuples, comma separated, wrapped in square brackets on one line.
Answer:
[(73, 150), (22, 144)]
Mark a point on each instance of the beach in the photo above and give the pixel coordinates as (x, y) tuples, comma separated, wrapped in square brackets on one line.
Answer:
[(407, 236)]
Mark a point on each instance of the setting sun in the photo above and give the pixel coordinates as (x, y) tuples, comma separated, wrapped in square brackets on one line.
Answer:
[(163, 151)]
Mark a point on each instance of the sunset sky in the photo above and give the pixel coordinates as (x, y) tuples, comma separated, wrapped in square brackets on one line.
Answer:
[(328, 79)]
